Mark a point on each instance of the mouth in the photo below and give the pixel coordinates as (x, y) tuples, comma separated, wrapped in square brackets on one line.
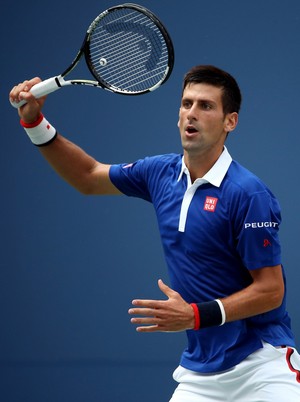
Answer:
[(190, 130)]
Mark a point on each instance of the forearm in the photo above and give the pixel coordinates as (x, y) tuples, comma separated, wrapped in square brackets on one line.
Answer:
[(76, 167), (73, 164), (264, 294), (251, 301)]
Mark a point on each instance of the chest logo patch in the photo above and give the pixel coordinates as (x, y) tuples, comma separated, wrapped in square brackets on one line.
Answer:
[(210, 204)]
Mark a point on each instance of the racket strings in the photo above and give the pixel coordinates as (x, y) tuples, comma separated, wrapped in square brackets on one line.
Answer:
[(128, 51), (135, 65)]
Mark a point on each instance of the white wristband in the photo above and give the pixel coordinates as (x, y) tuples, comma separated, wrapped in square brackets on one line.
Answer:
[(222, 311), (40, 132)]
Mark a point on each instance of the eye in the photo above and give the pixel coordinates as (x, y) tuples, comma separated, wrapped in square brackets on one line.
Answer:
[(186, 104), (206, 106)]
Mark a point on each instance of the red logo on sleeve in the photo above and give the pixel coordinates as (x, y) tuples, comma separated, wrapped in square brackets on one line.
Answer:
[(267, 243), (210, 204)]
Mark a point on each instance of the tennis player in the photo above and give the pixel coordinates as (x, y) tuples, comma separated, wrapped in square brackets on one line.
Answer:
[(219, 227)]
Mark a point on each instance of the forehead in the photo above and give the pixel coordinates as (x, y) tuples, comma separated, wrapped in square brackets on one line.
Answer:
[(203, 91)]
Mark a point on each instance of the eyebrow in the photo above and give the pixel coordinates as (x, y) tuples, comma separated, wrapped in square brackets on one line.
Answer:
[(201, 100)]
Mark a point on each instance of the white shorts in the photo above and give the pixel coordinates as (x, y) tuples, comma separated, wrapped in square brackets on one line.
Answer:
[(267, 375)]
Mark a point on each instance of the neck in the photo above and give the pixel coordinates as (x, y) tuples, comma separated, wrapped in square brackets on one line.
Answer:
[(198, 165)]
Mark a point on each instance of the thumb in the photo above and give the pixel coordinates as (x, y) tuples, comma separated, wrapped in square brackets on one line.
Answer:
[(165, 288)]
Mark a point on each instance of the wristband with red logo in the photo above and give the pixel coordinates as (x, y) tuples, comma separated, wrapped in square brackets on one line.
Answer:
[(40, 132)]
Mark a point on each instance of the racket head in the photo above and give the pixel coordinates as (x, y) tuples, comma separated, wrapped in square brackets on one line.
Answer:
[(128, 50)]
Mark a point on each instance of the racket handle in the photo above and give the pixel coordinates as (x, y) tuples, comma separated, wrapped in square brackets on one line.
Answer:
[(41, 89)]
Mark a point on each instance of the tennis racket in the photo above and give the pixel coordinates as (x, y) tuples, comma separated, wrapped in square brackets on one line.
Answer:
[(127, 49)]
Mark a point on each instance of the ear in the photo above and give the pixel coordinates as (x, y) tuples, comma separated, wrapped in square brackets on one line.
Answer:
[(178, 118), (231, 121)]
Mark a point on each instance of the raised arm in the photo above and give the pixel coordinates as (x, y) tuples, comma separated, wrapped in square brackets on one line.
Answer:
[(71, 162)]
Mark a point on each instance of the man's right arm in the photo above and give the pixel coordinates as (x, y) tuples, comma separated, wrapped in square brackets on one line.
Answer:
[(78, 168), (71, 162)]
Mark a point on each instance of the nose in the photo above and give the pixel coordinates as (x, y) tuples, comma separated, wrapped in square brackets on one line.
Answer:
[(192, 115)]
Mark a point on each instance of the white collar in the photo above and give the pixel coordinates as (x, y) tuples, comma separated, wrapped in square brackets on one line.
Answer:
[(215, 175)]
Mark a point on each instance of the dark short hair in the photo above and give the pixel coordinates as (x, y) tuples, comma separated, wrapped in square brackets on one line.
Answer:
[(211, 75)]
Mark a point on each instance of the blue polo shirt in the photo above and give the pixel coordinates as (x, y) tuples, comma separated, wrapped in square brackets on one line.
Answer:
[(213, 232)]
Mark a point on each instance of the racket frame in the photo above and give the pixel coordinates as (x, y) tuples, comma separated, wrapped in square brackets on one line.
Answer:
[(54, 83), (85, 49)]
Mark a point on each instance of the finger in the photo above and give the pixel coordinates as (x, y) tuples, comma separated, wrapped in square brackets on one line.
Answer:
[(145, 320), (28, 84), (166, 289), (17, 93), (145, 303), (142, 311), (150, 328), (27, 96)]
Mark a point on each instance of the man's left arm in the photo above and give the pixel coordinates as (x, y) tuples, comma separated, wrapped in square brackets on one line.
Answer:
[(264, 294)]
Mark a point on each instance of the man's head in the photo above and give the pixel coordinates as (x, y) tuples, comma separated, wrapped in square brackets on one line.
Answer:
[(208, 112), (206, 74)]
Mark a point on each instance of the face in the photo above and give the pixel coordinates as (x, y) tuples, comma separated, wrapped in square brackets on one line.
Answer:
[(202, 124)]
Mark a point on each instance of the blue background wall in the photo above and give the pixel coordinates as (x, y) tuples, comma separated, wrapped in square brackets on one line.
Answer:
[(70, 264)]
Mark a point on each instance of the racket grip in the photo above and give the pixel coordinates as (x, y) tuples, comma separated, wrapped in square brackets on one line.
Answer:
[(41, 89)]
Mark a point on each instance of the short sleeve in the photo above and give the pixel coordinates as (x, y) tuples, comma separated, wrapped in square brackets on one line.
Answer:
[(258, 240), (131, 179)]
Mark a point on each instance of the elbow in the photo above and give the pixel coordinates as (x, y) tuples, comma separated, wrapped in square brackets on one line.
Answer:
[(269, 286), (276, 298), (85, 190), (83, 187)]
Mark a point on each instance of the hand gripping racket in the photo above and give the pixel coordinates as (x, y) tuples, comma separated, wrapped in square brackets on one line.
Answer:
[(127, 49)]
